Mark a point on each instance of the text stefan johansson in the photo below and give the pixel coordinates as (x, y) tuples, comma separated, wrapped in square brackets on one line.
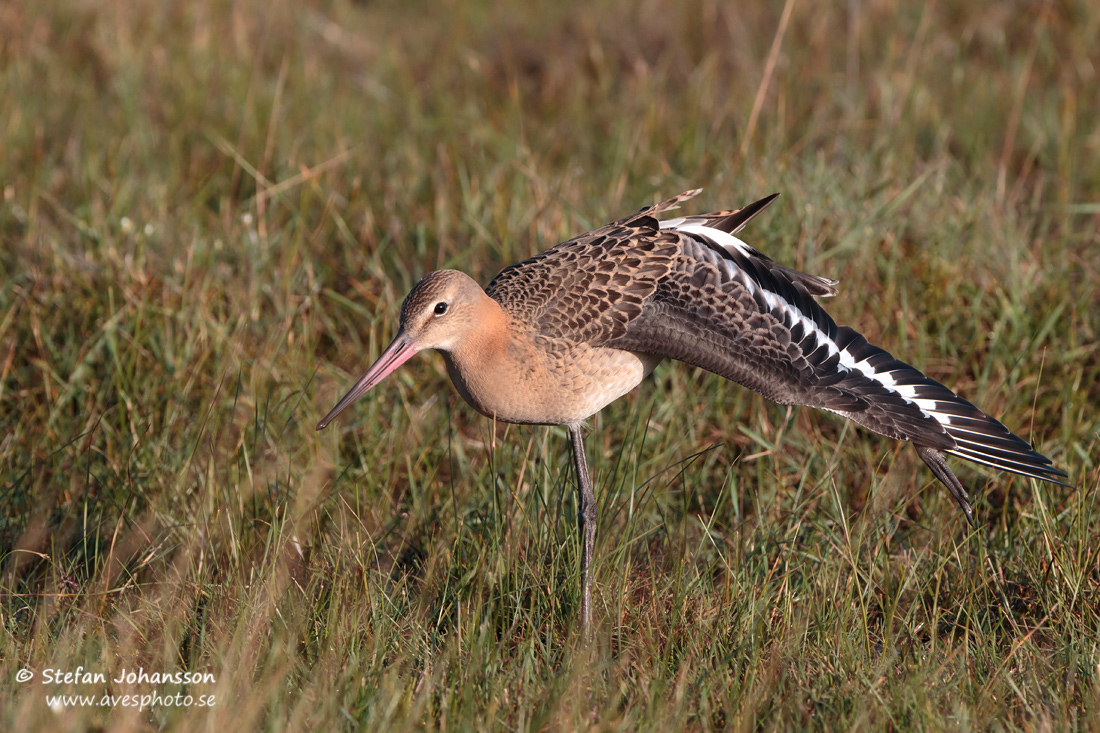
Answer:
[(80, 677)]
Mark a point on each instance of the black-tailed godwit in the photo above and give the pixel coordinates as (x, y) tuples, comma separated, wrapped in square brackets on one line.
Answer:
[(555, 338)]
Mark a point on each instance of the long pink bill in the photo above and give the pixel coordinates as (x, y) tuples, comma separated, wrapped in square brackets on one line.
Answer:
[(394, 356)]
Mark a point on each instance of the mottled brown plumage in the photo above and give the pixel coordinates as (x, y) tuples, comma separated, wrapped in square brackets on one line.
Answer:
[(555, 338)]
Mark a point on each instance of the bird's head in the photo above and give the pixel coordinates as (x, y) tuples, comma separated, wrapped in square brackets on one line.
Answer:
[(438, 313), (441, 309)]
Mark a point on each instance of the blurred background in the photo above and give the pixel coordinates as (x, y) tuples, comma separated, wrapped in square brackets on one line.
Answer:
[(210, 214)]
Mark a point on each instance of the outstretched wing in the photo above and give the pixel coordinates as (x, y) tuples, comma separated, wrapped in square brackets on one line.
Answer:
[(727, 308)]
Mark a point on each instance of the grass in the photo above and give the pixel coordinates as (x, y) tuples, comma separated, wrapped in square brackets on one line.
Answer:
[(211, 212)]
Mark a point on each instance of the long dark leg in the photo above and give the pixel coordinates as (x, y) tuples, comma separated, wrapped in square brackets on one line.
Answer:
[(586, 523)]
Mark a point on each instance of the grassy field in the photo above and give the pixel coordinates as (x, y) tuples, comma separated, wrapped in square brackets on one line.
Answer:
[(212, 210)]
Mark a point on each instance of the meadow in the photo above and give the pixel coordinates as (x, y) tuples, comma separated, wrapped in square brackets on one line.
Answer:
[(211, 212)]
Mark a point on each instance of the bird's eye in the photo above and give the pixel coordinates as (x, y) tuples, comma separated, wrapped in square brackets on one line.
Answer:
[(440, 308)]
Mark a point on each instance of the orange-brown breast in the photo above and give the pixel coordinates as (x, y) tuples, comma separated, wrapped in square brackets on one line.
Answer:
[(508, 373)]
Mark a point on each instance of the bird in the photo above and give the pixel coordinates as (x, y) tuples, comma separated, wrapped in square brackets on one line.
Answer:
[(556, 337)]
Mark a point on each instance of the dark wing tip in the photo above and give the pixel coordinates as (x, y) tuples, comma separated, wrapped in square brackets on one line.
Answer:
[(996, 446), (735, 221), (1027, 463)]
